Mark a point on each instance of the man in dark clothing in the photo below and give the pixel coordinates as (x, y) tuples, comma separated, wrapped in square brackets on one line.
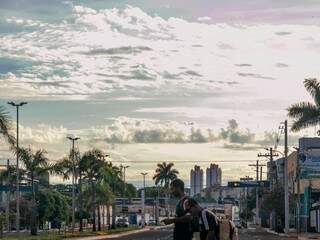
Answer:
[(182, 221), (208, 221)]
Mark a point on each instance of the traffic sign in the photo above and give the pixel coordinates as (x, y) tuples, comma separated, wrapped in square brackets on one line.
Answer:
[(22, 188), (239, 184)]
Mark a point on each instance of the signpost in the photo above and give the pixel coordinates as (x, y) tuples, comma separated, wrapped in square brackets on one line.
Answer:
[(239, 184)]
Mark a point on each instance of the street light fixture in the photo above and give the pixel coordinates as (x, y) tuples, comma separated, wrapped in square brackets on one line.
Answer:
[(73, 139), (17, 106)]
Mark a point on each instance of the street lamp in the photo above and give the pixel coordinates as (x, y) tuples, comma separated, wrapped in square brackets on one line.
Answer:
[(73, 139), (143, 192), (17, 105)]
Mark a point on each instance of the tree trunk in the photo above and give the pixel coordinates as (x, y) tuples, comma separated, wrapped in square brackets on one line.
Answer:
[(80, 203), (108, 215), (93, 207), (99, 217), (33, 221)]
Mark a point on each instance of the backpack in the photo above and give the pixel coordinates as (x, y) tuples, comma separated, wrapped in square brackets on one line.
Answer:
[(227, 230)]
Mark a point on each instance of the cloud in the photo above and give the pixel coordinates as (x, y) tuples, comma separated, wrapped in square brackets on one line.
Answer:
[(96, 52), (283, 33), (204, 19), (120, 50), (282, 65), (254, 75), (225, 46), (233, 135), (243, 65)]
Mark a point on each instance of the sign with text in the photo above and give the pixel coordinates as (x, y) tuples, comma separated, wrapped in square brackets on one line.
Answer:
[(240, 184), (309, 166)]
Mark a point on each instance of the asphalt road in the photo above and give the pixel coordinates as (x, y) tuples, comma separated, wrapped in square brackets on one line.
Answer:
[(166, 234), (161, 234)]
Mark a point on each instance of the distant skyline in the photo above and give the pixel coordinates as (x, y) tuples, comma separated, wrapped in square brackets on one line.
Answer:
[(151, 81)]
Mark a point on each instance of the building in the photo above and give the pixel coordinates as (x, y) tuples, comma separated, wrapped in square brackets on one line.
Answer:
[(213, 176), (196, 180)]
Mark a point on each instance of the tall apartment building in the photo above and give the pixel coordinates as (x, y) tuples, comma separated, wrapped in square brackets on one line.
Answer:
[(196, 180), (213, 176)]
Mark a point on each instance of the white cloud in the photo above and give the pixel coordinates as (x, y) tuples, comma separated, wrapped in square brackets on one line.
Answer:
[(210, 51), (204, 19)]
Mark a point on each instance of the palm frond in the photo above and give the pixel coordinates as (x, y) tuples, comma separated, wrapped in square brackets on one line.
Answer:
[(313, 87)]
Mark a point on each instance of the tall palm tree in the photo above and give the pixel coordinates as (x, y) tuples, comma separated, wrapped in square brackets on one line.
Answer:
[(65, 168), (5, 126), (165, 173), (306, 114), (92, 164), (36, 164)]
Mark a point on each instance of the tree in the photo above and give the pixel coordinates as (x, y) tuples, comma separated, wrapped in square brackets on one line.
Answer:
[(92, 164), (306, 114), (52, 207), (9, 177), (5, 126), (36, 164), (165, 173)]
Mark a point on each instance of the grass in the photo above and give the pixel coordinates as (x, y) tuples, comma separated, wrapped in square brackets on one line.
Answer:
[(57, 236)]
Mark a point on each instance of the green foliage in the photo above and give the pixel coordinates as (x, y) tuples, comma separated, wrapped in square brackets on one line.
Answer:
[(5, 126), (52, 206), (164, 174), (306, 114)]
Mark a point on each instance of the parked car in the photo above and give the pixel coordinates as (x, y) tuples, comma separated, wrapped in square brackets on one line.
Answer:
[(122, 222), (237, 223), (152, 222)]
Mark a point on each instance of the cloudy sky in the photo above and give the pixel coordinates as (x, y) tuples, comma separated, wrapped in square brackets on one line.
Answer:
[(191, 82)]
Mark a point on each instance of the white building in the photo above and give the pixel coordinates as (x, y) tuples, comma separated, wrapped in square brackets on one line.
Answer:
[(196, 180), (213, 176)]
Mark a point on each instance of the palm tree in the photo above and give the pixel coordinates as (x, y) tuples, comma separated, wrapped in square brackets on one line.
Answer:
[(307, 114), (5, 126), (36, 164), (65, 168), (165, 173), (92, 164)]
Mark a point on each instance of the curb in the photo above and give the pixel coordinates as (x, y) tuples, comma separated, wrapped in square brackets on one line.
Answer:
[(115, 235)]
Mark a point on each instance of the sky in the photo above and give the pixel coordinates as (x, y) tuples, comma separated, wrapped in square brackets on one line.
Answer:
[(192, 82)]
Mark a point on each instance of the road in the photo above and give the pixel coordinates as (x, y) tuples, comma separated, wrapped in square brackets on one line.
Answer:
[(166, 234)]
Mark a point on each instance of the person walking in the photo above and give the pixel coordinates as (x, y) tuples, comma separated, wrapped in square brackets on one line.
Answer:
[(182, 220), (208, 221)]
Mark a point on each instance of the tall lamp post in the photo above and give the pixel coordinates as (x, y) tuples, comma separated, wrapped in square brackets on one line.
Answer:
[(143, 192), (73, 139), (17, 106)]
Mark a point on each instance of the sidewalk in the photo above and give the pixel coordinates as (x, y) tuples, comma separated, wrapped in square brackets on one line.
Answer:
[(115, 235), (308, 236), (301, 236)]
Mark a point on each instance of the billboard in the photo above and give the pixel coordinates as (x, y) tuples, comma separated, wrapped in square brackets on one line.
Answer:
[(309, 166)]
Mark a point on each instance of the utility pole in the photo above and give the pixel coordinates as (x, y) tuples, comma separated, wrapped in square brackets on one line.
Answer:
[(286, 183), (246, 179), (17, 105), (272, 153), (73, 139), (124, 178), (8, 201), (298, 190), (257, 165), (143, 198)]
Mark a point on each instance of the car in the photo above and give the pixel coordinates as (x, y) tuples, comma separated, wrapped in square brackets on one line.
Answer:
[(152, 222), (237, 223), (122, 222)]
